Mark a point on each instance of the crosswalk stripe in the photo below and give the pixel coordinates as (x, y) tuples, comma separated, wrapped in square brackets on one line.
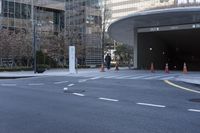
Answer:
[(139, 77), (93, 78), (115, 75), (124, 77), (167, 78), (155, 77), (112, 76), (87, 75), (108, 77)]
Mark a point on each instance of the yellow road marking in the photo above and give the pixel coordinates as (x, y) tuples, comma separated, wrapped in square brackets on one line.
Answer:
[(181, 87)]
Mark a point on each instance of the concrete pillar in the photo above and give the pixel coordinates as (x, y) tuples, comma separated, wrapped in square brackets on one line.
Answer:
[(135, 48)]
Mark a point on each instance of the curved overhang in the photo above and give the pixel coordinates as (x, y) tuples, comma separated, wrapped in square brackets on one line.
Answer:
[(122, 30)]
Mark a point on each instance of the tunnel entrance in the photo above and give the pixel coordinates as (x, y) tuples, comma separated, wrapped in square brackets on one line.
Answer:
[(173, 47)]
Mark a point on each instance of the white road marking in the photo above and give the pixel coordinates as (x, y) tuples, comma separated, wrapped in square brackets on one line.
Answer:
[(35, 84), (108, 99), (65, 89), (95, 78), (82, 80), (153, 105), (70, 85), (79, 94), (154, 77), (194, 110), (181, 87), (167, 78), (61, 82), (8, 85), (113, 76), (89, 75), (138, 77), (123, 77), (108, 77)]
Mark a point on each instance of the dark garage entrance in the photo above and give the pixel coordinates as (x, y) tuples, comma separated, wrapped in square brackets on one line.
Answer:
[(172, 46)]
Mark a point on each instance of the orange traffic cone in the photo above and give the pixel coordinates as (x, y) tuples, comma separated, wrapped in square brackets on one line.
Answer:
[(116, 66), (166, 68), (185, 68), (152, 68), (102, 68)]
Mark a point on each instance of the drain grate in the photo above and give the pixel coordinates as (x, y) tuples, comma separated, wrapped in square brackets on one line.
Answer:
[(196, 100), (74, 91)]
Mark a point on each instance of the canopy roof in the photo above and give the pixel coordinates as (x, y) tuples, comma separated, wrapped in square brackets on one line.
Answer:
[(122, 29)]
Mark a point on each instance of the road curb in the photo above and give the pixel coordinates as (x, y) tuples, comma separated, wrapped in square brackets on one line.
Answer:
[(17, 77), (180, 87)]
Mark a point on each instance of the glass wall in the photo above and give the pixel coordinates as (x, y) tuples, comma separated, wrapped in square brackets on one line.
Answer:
[(83, 29), (17, 31), (54, 30), (18, 14)]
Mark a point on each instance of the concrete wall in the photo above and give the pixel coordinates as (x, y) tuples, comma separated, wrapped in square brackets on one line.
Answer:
[(151, 49)]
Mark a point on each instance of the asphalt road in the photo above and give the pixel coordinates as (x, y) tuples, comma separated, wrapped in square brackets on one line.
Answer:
[(40, 105)]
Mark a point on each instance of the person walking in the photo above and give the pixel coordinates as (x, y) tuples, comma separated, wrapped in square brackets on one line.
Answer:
[(108, 60)]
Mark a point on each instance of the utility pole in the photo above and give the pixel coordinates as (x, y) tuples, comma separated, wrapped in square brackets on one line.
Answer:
[(71, 11), (33, 37), (104, 8)]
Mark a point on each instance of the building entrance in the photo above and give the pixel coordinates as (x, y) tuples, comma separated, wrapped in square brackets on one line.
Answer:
[(174, 47)]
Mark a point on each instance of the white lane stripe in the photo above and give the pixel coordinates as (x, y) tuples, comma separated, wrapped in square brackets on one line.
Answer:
[(65, 89), (70, 85), (79, 94), (194, 110), (8, 85), (180, 87), (61, 82), (35, 84), (153, 105), (108, 99)]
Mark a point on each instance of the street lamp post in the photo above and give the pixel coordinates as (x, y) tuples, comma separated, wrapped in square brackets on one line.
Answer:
[(33, 36)]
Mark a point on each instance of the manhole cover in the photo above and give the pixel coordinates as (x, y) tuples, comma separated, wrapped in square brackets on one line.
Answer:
[(74, 91), (197, 100)]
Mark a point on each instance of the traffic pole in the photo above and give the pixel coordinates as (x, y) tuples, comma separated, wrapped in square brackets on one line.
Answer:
[(166, 68), (116, 66), (102, 68), (152, 67), (185, 71)]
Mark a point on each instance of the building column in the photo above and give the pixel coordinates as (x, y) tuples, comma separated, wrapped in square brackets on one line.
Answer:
[(135, 49)]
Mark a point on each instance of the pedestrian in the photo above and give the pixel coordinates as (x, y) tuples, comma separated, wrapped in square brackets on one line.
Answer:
[(108, 60)]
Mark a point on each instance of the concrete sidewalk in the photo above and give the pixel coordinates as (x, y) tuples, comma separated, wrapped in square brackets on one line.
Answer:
[(191, 77), (50, 72)]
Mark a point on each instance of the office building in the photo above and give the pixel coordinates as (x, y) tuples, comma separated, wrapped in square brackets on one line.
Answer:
[(161, 31), (52, 21)]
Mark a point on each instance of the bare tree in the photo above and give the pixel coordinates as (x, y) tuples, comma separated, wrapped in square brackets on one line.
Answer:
[(15, 46)]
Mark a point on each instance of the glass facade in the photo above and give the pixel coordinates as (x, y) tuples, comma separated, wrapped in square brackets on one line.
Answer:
[(18, 14), (80, 26), (83, 24)]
